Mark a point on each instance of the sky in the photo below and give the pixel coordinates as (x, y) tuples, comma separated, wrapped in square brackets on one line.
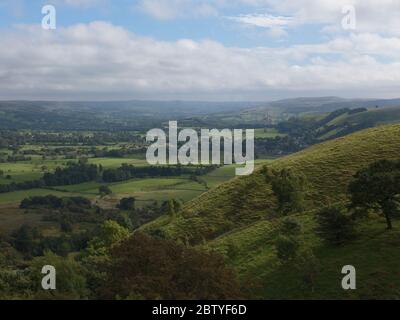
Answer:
[(200, 49)]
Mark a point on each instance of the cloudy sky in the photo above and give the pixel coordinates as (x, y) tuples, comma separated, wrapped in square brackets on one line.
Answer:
[(199, 49)]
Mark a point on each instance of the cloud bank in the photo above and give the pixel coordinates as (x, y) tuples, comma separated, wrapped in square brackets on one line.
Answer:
[(106, 61)]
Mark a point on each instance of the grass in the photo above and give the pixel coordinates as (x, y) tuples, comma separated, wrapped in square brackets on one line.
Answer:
[(328, 167), (146, 190), (239, 219), (267, 133), (17, 196), (384, 115), (373, 253), (31, 170), (117, 162), (12, 218)]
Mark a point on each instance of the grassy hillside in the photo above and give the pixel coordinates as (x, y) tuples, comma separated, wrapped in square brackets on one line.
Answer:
[(239, 220), (350, 122), (328, 167), (375, 115)]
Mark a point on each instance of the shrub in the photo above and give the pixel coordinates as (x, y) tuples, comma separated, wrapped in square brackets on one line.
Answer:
[(334, 225), (148, 268), (290, 226), (286, 248)]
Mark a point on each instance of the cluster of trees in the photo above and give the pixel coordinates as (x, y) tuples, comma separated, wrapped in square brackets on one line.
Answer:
[(4, 188), (80, 172), (146, 268), (303, 132), (53, 202), (279, 145), (68, 211), (14, 158), (126, 172), (29, 242), (112, 264), (375, 189), (289, 187), (11, 138), (119, 153), (74, 173)]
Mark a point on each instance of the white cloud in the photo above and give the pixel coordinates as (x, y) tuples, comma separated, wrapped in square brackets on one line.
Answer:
[(101, 60), (170, 9), (372, 15), (263, 20), (276, 25)]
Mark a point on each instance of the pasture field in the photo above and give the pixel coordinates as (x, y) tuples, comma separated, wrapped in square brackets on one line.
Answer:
[(267, 133), (117, 162), (145, 190), (31, 170)]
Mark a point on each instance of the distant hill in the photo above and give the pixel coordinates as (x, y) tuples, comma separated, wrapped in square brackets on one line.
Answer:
[(345, 121), (240, 217), (144, 115), (117, 115), (329, 104), (268, 113)]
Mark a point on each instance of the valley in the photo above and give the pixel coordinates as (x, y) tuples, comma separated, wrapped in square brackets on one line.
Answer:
[(72, 196)]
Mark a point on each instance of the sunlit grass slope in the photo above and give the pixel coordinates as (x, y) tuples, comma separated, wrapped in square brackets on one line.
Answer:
[(242, 201), (239, 220)]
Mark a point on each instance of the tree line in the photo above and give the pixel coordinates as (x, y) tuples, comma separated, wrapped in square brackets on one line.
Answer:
[(81, 172)]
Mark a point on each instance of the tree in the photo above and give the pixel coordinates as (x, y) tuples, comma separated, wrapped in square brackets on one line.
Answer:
[(104, 191), (289, 188), (308, 266), (71, 282), (377, 188), (171, 207), (334, 225), (290, 227), (146, 268), (127, 203), (286, 248), (24, 239), (66, 224), (110, 234)]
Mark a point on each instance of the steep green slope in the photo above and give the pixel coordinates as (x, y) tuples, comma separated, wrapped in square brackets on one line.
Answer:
[(328, 167), (238, 219), (374, 254), (385, 115)]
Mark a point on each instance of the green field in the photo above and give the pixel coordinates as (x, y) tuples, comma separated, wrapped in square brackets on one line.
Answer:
[(31, 170), (268, 133), (146, 190), (117, 162)]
